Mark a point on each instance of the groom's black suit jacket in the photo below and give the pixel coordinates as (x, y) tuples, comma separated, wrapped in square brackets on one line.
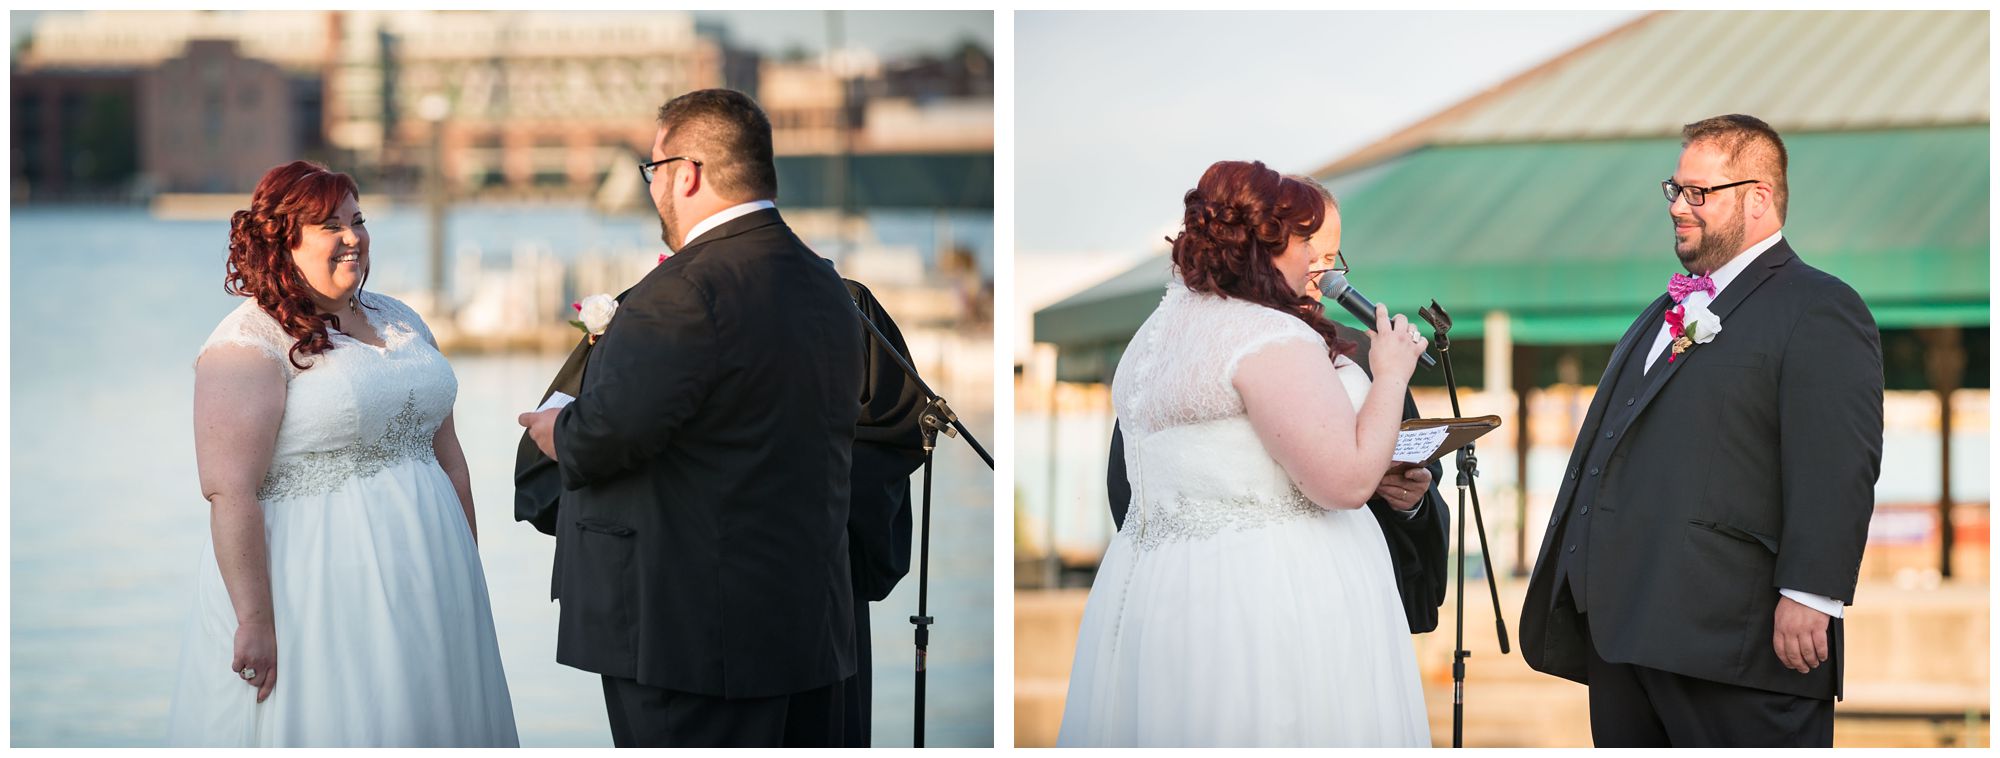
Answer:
[(1418, 539), (701, 533), (888, 447), (1746, 465)]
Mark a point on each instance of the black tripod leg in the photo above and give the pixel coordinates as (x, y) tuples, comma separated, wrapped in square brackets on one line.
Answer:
[(923, 620), (1468, 470), (1492, 584), (1459, 654)]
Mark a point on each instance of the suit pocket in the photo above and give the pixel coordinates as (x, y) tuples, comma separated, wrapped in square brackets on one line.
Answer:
[(597, 526), (604, 591), (1722, 583), (1737, 533)]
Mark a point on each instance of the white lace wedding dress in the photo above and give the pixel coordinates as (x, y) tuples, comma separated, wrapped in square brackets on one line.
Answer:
[(385, 631), (1230, 610)]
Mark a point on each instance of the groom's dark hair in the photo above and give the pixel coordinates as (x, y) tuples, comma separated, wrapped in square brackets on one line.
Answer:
[(730, 135), (1753, 148)]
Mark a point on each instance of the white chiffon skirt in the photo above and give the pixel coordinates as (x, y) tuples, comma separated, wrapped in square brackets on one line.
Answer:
[(1290, 634), (385, 631)]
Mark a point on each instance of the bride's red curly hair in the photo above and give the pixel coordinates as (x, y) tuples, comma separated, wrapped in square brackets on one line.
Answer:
[(261, 241), (1236, 221)]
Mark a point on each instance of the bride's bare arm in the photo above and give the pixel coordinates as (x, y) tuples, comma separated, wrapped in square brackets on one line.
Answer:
[(239, 401), (451, 458), (1294, 399)]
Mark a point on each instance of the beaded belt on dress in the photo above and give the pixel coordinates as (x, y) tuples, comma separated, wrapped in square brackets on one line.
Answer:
[(1202, 519), (326, 471)]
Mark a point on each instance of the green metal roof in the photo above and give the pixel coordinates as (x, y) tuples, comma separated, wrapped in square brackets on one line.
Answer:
[(1572, 238), (1572, 228), (1798, 70), (1109, 311)]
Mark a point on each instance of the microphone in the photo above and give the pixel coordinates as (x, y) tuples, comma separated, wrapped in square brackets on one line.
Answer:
[(1335, 286)]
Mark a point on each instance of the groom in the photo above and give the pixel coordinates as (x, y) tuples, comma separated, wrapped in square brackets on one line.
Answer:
[(701, 538), (1709, 528)]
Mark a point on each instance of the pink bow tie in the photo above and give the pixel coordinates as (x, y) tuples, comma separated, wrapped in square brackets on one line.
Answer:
[(1682, 285)]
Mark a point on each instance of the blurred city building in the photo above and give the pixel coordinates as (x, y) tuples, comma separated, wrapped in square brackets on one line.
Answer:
[(212, 120), (176, 100), (549, 102), (185, 110), (72, 133), (533, 104), (1532, 212)]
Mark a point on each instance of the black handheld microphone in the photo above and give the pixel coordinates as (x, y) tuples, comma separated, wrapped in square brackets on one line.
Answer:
[(1334, 285)]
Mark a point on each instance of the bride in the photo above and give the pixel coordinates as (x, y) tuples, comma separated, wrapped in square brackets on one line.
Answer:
[(340, 599), (1249, 599)]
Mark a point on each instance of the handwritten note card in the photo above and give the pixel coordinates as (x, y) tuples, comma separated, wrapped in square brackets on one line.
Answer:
[(1417, 445)]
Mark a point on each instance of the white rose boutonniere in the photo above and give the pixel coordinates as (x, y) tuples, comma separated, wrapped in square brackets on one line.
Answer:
[(1702, 324), (593, 315), (1692, 324)]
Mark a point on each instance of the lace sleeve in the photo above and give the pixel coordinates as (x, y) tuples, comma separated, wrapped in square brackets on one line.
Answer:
[(422, 328), (1264, 328), (401, 311), (249, 326)]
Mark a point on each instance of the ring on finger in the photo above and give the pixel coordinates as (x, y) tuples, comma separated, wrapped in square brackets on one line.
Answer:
[(247, 673)]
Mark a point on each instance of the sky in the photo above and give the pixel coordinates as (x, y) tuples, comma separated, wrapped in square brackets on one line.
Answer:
[(888, 33), (1117, 114)]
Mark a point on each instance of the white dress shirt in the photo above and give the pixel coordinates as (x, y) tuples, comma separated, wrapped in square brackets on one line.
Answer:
[(725, 216), (1722, 277)]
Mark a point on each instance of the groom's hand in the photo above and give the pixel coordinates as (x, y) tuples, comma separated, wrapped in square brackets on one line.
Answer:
[(1404, 488), (542, 429), (1799, 635)]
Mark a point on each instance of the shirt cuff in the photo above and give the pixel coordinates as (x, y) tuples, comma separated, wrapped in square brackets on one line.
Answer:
[(1411, 514), (1821, 603)]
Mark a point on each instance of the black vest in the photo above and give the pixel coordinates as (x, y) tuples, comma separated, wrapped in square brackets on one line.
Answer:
[(1573, 549)]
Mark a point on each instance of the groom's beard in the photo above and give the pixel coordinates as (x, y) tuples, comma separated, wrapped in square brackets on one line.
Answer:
[(669, 225), (1720, 241)]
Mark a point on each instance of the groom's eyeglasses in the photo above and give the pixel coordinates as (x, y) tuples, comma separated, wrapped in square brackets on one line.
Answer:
[(1339, 266), (1697, 195), (646, 169)]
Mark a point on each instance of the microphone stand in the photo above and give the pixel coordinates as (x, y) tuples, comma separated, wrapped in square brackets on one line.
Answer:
[(1468, 470), (937, 417)]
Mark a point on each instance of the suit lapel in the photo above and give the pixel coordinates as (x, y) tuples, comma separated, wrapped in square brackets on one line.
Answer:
[(569, 378), (1752, 277), (1747, 282), (1640, 331), (1593, 418)]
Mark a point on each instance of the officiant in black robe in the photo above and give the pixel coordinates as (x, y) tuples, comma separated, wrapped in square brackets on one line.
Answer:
[(888, 447)]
